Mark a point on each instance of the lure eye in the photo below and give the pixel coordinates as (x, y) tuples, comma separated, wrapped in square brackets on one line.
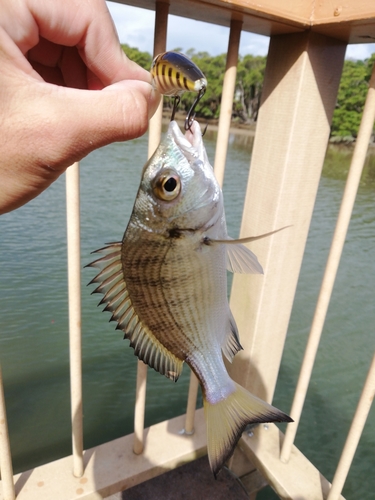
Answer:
[(167, 186)]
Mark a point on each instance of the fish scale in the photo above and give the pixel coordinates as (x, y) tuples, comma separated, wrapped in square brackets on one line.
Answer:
[(170, 270), (201, 317)]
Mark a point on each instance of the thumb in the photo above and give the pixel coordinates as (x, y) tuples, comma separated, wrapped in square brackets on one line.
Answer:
[(50, 127), (86, 120)]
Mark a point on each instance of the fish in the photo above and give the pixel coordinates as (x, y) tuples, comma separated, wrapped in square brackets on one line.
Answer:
[(173, 74), (165, 284)]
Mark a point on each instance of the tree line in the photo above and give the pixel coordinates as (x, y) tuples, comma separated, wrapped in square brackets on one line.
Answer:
[(250, 74)]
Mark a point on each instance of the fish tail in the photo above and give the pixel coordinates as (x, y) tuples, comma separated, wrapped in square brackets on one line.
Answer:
[(227, 419)]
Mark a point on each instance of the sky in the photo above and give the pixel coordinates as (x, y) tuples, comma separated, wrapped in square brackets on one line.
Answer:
[(135, 27)]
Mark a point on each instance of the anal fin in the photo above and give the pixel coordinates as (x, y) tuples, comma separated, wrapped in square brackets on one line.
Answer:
[(231, 345)]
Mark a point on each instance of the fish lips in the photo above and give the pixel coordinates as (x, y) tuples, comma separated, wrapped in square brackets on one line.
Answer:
[(191, 144), (205, 187)]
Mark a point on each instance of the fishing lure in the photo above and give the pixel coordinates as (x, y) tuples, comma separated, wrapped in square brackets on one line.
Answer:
[(173, 74)]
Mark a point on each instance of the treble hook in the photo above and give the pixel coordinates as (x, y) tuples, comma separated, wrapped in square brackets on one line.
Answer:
[(176, 102), (190, 116)]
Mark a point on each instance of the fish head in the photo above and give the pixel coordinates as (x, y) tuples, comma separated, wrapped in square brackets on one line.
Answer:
[(178, 187)]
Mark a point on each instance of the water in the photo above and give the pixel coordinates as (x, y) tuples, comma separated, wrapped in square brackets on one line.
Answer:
[(34, 324)]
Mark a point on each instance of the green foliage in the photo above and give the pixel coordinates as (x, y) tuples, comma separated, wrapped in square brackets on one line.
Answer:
[(250, 74), (351, 97), (144, 59), (213, 68)]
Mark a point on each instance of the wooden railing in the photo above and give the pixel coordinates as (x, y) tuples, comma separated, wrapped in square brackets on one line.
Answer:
[(300, 88)]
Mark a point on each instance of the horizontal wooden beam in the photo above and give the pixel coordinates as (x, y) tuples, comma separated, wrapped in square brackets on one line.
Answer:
[(350, 21), (113, 467), (292, 481)]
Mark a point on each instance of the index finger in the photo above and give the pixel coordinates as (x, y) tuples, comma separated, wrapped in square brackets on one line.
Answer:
[(88, 26)]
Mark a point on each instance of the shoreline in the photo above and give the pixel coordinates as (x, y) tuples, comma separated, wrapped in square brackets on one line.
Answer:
[(213, 125), (249, 130)]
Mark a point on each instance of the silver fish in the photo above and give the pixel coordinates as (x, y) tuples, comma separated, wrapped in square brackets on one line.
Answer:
[(166, 285)]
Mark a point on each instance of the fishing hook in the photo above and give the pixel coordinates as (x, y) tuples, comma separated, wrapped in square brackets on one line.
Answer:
[(191, 115), (176, 102)]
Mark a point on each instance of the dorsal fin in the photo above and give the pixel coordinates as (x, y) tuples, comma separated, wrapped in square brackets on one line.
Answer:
[(116, 297)]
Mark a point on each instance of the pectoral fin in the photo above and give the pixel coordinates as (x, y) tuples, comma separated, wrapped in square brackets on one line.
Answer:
[(242, 260), (116, 297), (239, 258)]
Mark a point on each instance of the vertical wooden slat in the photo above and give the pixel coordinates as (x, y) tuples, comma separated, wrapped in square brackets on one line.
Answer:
[(299, 94), (140, 405), (74, 286), (191, 404), (355, 432), (226, 105), (6, 468), (343, 220), (160, 42)]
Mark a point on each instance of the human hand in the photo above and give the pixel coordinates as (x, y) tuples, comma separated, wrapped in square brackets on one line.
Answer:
[(66, 88)]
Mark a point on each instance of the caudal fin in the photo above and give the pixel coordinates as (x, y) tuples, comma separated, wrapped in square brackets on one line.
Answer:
[(227, 420)]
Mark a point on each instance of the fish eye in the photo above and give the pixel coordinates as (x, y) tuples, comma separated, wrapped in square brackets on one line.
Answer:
[(167, 186)]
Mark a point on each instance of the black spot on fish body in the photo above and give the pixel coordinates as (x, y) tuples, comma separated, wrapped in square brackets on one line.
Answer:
[(174, 232), (178, 232)]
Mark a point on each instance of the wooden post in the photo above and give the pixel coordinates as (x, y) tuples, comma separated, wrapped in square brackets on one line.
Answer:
[(299, 94), (338, 241)]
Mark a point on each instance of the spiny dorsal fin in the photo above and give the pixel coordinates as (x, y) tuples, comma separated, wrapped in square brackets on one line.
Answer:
[(118, 302), (231, 344)]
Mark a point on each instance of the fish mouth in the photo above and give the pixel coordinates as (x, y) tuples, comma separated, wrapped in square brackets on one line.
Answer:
[(191, 144)]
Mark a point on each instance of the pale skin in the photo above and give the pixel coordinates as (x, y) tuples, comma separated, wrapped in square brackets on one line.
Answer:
[(66, 88)]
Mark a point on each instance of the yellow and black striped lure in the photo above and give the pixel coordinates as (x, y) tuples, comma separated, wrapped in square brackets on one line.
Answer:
[(173, 74)]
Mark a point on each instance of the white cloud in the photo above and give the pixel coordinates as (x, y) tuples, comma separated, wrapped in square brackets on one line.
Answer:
[(257, 45), (360, 51), (135, 27)]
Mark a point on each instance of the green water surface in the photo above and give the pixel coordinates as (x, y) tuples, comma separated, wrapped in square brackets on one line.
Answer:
[(34, 322)]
